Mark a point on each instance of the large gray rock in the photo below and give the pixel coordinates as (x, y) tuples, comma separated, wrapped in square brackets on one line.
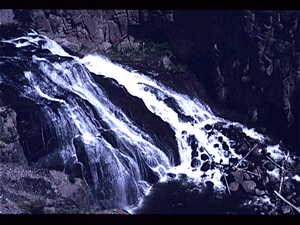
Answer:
[(22, 186), (249, 186), (6, 16), (10, 148)]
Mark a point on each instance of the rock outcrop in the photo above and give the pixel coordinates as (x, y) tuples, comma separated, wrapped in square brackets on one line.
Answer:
[(24, 189)]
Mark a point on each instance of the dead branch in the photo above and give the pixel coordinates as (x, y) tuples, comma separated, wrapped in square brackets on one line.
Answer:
[(281, 177), (248, 172), (227, 184), (287, 202), (256, 145), (273, 161)]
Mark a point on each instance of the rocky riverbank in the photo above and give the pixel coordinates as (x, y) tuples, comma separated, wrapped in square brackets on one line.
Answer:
[(263, 182)]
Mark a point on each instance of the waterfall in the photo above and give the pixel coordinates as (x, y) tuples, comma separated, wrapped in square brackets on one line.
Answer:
[(81, 125)]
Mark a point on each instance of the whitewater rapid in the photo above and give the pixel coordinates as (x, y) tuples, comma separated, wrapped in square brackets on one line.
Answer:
[(61, 77)]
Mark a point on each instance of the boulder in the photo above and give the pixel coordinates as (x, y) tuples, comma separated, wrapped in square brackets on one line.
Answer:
[(23, 186), (249, 186), (233, 186), (297, 169), (226, 154), (195, 154), (286, 209), (238, 176), (220, 139), (6, 16), (247, 176), (270, 166), (172, 175), (195, 163), (114, 32), (208, 127), (12, 153), (193, 142), (202, 149), (204, 157), (10, 148), (74, 167), (53, 161), (259, 192), (218, 125), (225, 146), (205, 166)]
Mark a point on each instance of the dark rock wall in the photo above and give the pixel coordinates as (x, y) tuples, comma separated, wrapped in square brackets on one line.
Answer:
[(249, 60)]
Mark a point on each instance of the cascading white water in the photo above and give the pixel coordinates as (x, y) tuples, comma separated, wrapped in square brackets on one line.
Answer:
[(69, 86), (51, 85)]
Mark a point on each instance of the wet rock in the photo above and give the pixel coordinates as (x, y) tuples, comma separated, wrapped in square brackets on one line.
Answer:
[(241, 148), (194, 146), (202, 149), (172, 175), (192, 141), (234, 160), (247, 176), (74, 167), (297, 169), (205, 166), (195, 154), (233, 186), (286, 209), (195, 163), (53, 161), (225, 146), (220, 139), (182, 176), (238, 176), (259, 192), (249, 186), (270, 166), (272, 179), (209, 183), (218, 125), (208, 127), (204, 157), (82, 157), (216, 145), (161, 132)]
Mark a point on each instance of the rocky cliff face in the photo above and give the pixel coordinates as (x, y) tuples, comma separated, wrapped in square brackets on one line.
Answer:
[(248, 59), (27, 190)]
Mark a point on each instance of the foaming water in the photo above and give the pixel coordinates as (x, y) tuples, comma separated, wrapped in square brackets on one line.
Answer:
[(73, 104)]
